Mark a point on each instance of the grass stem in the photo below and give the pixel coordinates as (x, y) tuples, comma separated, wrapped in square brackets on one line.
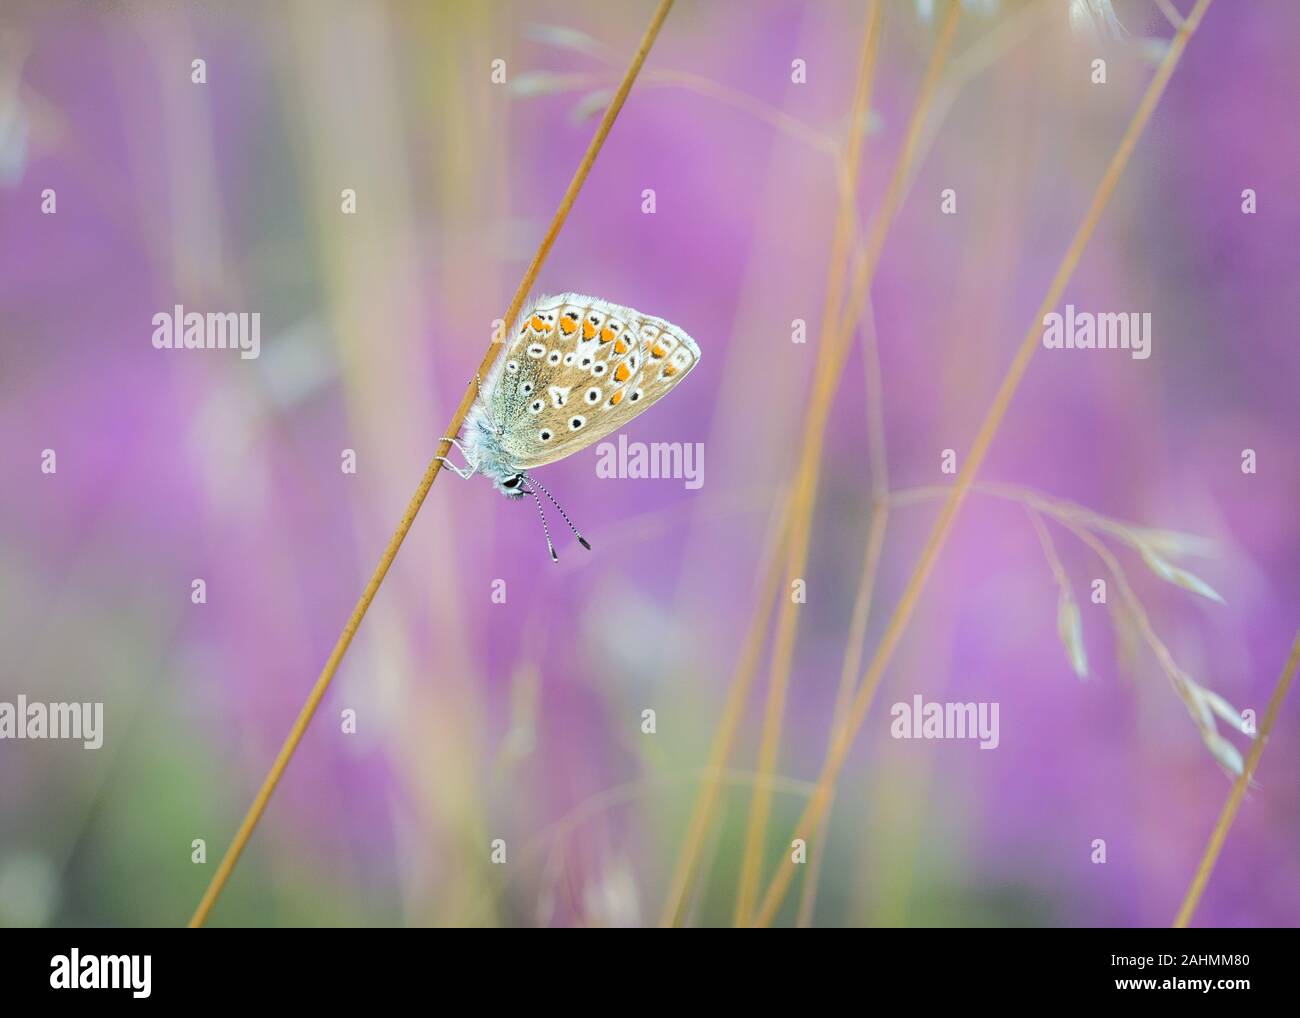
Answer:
[(855, 645), (318, 691), (805, 486), (1229, 813), (839, 748)]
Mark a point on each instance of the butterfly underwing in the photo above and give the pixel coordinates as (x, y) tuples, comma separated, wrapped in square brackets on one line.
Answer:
[(576, 369)]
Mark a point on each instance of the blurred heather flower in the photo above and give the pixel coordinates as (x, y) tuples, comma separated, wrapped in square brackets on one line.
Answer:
[(925, 8), (610, 898), (14, 132), (1095, 18), (13, 144), (29, 889)]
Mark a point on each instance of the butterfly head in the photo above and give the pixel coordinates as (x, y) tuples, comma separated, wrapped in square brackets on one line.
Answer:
[(512, 486)]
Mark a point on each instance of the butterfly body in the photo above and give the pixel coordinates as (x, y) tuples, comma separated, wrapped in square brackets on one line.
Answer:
[(575, 369), (483, 450)]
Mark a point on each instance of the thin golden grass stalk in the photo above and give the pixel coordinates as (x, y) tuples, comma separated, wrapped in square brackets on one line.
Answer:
[(835, 345), (743, 677), (855, 646), (854, 650), (724, 738), (838, 751), (804, 495), (868, 259), (318, 691), (695, 902), (1229, 813), (977, 58), (874, 386)]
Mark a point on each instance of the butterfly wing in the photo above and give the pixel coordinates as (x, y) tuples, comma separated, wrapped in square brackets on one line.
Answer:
[(579, 368)]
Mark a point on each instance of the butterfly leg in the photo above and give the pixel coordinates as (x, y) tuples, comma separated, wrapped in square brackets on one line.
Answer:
[(471, 466), (464, 474), (455, 444)]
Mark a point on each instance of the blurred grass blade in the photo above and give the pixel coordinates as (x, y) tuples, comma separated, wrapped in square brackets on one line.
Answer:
[(1178, 577), (563, 37), (870, 123), (532, 83), (1224, 710), (1170, 542), (1225, 752), (1069, 624), (1153, 49), (591, 104)]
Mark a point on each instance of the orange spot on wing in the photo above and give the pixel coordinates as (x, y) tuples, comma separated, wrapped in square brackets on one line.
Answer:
[(621, 373), (537, 324), (617, 398), (620, 347), (588, 330), (568, 326), (606, 334), (657, 351), (669, 371)]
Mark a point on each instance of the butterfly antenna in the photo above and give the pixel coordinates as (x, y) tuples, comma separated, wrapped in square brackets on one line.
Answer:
[(545, 529), (581, 540)]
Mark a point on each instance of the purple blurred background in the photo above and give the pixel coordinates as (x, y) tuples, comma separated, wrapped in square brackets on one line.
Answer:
[(522, 721)]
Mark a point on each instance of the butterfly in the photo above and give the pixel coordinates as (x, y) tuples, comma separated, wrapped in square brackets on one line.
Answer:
[(576, 369)]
